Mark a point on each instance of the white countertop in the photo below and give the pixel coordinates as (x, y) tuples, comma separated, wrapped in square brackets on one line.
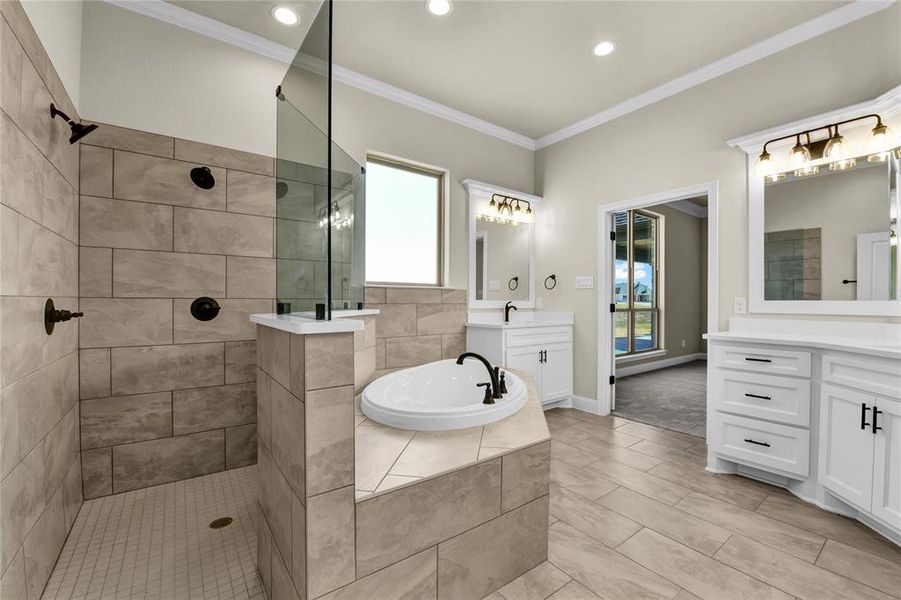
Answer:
[(306, 326), (519, 320), (873, 339)]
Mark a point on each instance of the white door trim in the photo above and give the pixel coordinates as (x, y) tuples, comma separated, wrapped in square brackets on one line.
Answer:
[(605, 363)]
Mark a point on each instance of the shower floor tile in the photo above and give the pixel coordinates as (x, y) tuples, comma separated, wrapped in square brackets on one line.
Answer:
[(156, 543)]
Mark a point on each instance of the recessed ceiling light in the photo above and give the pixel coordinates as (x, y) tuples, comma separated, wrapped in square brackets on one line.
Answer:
[(285, 15), (438, 7), (604, 48)]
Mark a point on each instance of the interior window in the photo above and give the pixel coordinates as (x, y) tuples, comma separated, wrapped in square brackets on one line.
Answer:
[(404, 212), (637, 316)]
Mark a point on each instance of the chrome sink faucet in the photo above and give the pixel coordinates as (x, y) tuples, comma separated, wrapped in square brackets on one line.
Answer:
[(507, 308), (495, 388)]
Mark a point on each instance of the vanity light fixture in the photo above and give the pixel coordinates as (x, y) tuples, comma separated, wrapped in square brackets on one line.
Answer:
[(285, 15), (337, 220), (439, 8), (804, 159), (506, 209)]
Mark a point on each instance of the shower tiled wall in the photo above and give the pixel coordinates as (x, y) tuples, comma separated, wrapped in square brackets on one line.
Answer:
[(416, 325), (40, 474), (165, 396)]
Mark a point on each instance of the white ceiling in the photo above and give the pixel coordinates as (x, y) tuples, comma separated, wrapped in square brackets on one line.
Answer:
[(527, 65)]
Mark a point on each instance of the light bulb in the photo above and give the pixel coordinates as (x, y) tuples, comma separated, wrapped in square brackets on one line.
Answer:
[(799, 156), (765, 164), (807, 170), (836, 148), (774, 177), (880, 144), (843, 164)]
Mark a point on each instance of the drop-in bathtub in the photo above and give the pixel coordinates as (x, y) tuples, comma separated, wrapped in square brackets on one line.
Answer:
[(439, 396)]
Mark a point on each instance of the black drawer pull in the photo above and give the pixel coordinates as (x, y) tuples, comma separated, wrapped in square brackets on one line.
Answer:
[(876, 413), (863, 416), (764, 360), (750, 441), (757, 396)]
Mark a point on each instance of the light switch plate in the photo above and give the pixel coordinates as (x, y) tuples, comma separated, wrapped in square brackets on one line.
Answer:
[(739, 306), (584, 282)]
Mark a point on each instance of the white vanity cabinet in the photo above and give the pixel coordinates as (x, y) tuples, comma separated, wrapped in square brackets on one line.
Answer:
[(817, 414), (542, 349)]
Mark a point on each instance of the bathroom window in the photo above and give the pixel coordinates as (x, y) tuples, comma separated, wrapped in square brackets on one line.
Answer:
[(636, 318), (404, 223)]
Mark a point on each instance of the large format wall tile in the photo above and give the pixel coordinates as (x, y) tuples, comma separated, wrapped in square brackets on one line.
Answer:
[(299, 545), (330, 541), (163, 181), (400, 523), (329, 439), (145, 274), (240, 361), (43, 544), (60, 204), (275, 500), (23, 499), (22, 322), (131, 140), (96, 175), (21, 171), (411, 351), (273, 353), (216, 232), (224, 157), (250, 277), (95, 272), (213, 407), (154, 462), (48, 262), (9, 251), (414, 578), (231, 324), (328, 360), (526, 474), (241, 445), (110, 421), (60, 449), (411, 295), (97, 472), (473, 564), (161, 368), (396, 320), (125, 322), (251, 194), (124, 224), (94, 373), (10, 71), (440, 318), (288, 433)]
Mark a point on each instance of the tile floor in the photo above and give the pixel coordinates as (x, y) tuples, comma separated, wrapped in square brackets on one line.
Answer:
[(633, 515), (156, 543), (675, 397)]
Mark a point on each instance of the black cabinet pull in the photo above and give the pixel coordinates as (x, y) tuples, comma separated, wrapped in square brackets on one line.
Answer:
[(545, 357), (763, 360), (757, 396), (863, 416), (755, 442), (876, 413)]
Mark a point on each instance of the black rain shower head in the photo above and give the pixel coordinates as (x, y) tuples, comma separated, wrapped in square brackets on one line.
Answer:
[(203, 178), (78, 130)]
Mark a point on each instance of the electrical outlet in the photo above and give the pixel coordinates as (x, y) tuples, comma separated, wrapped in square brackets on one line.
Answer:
[(739, 306), (584, 282)]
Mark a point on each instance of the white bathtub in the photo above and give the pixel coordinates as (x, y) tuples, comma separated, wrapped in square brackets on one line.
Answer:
[(439, 396)]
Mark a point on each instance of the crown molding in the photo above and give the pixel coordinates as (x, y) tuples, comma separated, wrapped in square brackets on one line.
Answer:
[(793, 36), (887, 105), (474, 186), (180, 17)]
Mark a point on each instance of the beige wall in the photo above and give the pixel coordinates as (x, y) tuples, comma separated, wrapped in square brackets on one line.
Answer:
[(58, 25), (40, 474), (842, 205), (682, 141)]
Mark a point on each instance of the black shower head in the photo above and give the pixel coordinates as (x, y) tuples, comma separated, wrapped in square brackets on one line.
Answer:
[(203, 178), (78, 130)]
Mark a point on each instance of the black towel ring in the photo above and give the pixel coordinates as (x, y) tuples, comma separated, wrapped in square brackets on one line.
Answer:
[(553, 280), (513, 283)]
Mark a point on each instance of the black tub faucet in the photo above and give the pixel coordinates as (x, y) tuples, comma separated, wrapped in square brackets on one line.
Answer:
[(507, 308), (495, 386)]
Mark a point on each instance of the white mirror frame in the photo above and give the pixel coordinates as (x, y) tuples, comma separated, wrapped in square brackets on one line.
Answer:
[(888, 105), (479, 191)]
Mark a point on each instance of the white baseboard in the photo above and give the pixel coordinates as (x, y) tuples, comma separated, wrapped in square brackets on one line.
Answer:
[(659, 364), (589, 405)]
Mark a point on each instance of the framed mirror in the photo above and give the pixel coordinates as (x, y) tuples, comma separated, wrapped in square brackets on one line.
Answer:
[(501, 246), (823, 230)]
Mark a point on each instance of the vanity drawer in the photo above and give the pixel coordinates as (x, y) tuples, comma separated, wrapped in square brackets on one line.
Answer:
[(782, 399), (762, 360), (873, 374), (534, 336), (762, 444)]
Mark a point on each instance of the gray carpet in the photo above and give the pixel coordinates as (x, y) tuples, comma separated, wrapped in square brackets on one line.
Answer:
[(674, 398)]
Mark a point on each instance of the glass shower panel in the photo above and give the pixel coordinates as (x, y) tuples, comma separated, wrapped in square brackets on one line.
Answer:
[(320, 189)]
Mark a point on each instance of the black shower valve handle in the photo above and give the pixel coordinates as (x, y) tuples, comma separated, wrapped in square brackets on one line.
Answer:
[(53, 315)]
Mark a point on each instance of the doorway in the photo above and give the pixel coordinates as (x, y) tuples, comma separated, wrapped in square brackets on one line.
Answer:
[(657, 298)]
